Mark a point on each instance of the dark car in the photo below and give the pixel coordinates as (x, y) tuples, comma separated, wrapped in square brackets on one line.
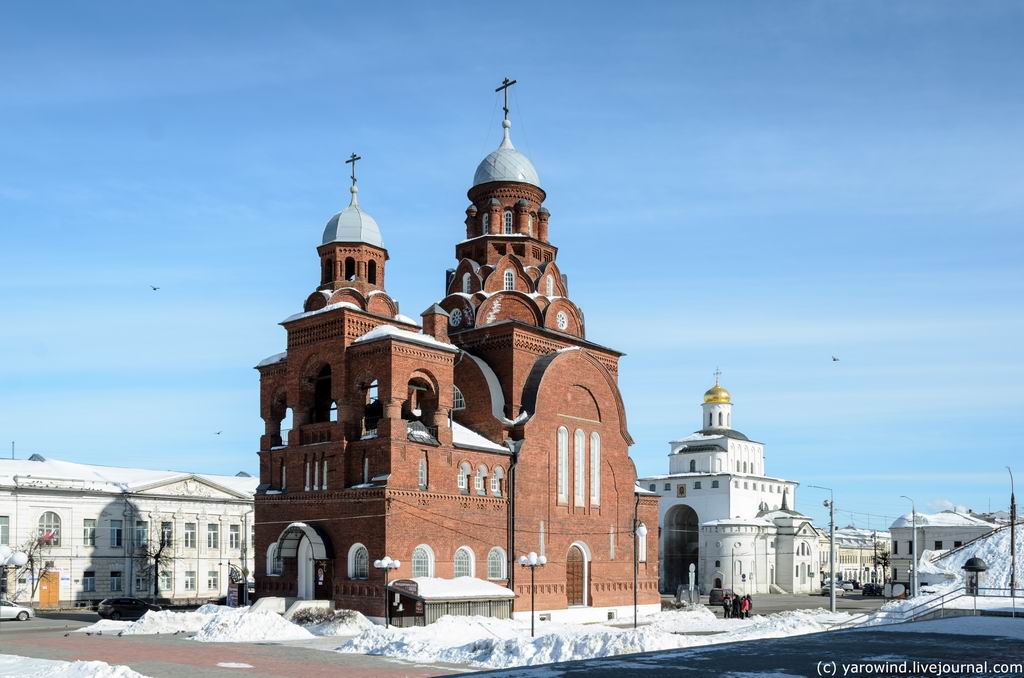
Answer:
[(872, 590), (124, 608), (716, 596)]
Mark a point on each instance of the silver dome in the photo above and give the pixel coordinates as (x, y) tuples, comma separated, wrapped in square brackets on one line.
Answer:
[(506, 164), (352, 224)]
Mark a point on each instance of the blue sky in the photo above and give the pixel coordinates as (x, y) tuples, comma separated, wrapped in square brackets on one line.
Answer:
[(754, 186)]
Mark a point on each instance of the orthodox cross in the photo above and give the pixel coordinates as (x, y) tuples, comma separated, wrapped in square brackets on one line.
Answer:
[(505, 84), (352, 161), (718, 373)]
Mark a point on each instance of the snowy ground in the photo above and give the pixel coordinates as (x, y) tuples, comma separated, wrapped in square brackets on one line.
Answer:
[(26, 667), (219, 624), (493, 643)]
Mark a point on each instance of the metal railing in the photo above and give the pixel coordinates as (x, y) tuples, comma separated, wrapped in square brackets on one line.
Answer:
[(930, 606)]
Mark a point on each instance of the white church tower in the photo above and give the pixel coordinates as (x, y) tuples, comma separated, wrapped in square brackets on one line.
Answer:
[(722, 514)]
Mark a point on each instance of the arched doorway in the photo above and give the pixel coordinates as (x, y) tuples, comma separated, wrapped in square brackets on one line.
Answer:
[(304, 563), (576, 577), (682, 546)]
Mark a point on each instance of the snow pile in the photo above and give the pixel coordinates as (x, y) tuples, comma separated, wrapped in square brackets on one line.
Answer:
[(499, 644), (243, 625), (322, 622), (103, 626), (26, 667), (168, 621), (994, 549)]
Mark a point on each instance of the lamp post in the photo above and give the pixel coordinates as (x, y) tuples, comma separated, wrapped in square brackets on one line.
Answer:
[(831, 504), (387, 564), (913, 546), (532, 561), (9, 558), (1013, 538)]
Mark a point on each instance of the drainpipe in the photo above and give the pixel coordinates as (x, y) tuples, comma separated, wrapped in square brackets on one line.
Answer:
[(513, 446)]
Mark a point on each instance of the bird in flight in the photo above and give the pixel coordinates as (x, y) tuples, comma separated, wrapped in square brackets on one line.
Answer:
[(154, 288), (218, 433), (835, 359)]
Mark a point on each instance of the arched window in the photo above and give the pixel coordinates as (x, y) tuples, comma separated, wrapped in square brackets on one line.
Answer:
[(595, 469), (709, 420), (529, 225), (510, 280), (366, 469), (323, 477), (480, 482), (49, 528), (508, 222), (693, 466), (284, 476), (464, 562), (728, 419), (350, 268), (358, 562), (549, 284), (719, 418), (496, 563), (579, 445), (423, 474), (305, 487), (323, 403), (458, 400), (273, 560), (497, 480), (718, 465), (563, 464), (466, 288), (371, 272), (328, 270), (422, 561), (465, 470), (486, 221), (737, 466), (744, 467)]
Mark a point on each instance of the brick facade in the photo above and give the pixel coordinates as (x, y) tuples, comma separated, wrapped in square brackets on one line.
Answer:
[(449, 439)]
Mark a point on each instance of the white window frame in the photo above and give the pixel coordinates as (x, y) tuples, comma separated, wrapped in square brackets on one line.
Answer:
[(465, 553), (509, 280), (323, 476), (496, 556), (428, 554), (234, 537), (466, 284), (191, 535), (549, 284), (50, 521), (358, 562), (497, 475), (458, 399), (213, 535), (595, 468), (508, 222), (423, 477), (465, 470), (190, 580), (486, 222), (579, 471), (480, 480), (563, 465)]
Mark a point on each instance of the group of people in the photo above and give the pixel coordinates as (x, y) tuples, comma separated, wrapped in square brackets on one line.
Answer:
[(737, 607)]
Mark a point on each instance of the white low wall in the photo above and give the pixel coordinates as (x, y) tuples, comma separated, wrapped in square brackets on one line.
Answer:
[(308, 605), (587, 615), (271, 604)]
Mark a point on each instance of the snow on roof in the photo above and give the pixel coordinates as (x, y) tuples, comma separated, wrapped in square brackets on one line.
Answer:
[(759, 522), (405, 319), (465, 437), (71, 475), (274, 359), (940, 519), (390, 331), (718, 474), (641, 490), (436, 588), (325, 309)]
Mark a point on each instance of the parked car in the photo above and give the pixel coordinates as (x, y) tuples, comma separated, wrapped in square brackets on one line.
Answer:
[(840, 591), (124, 608), (716, 596), (872, 590), (9, 610), (847, 585)]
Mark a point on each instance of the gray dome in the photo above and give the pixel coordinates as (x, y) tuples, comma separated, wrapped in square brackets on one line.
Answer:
[(506, 164), (352, 224)]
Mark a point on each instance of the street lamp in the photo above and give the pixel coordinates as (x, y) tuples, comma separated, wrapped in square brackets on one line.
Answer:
[(831, 504), (387, 564), (913, 547), (532, 561), (9, 558), (639, 537)]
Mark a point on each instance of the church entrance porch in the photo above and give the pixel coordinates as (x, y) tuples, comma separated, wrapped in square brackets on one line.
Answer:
[(682, 546), (313, 556)]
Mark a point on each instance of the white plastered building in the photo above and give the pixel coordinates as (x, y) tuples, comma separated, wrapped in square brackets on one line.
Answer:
[(93, 529), (721, 513), (936, 533)]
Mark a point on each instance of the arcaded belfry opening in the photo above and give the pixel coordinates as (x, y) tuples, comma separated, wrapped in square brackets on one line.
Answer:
[(682, 546), (373, 409), (324, 408)]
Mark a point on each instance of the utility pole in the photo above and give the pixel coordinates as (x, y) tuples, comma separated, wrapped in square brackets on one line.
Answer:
[(1013, 538), (831, 504), (913, 547)]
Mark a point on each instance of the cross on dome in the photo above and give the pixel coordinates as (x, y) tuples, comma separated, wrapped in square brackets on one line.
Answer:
[(506, 163)]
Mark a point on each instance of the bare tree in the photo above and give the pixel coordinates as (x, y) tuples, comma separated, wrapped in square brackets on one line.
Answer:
[(883, 560), (37, 549), (152, 558)]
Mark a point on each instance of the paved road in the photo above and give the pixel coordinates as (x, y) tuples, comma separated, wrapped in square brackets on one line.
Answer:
[(49, 637), (798, 656)]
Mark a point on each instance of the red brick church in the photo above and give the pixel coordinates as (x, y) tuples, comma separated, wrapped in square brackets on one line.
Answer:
[(491, 429)]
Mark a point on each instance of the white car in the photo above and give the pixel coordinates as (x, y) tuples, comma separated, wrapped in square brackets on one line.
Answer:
[(9, 610)]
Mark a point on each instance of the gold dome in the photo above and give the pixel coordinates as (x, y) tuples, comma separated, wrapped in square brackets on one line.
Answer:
[(717, 394)]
